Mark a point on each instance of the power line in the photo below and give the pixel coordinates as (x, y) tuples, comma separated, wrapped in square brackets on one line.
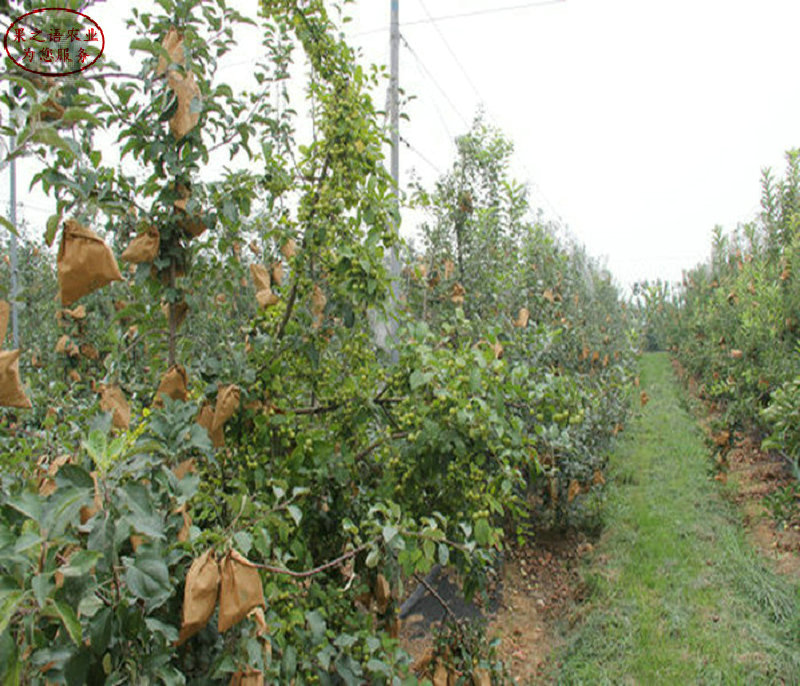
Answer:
[(427, 72), (463, 15), (452, 53), (421, 156)]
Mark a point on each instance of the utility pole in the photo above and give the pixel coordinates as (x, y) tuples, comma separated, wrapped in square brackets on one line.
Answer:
[(394, 116), (14, 307), (394, 98)]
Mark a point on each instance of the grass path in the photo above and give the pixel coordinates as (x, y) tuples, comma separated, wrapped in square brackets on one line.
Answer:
[(677, 595)]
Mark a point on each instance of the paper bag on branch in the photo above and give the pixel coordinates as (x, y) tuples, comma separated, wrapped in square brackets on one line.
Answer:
[(205, 418), (78, 312), (5, 313), (11, 393), (457, 294), (85, 263), (183, 468), (251, 678), (143, 248), (181, 310), (240, 590), (263, 283), (89, 351), (318, 302), (186, 90), (64, 346), (227, 403), (289, 249), (112, 399), (192, 224), (173, 44), (261, 278), (173, 384), (199, 595), (277, 272), (89, 511), (183, 534)]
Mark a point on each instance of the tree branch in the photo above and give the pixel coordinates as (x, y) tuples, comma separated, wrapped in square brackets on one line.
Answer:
[(316, 570)]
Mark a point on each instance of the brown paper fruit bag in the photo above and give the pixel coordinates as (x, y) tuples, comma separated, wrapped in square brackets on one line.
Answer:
[(318, 302), (186, 90), (78, 312), (192, 224), (173, 44), (261, 278), (173, 384), (143, 248), (199, 595), (5, 313), (85, 263), (228, 400), (240, 590), (205, 418), (11, 393), (112, 399), (89, 511), (251, 678), (181, 310), (262, 281)]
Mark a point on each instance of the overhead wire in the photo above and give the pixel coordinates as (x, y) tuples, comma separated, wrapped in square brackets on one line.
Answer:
[(446, 44), (427, 73), (465, 15), (421, 156)]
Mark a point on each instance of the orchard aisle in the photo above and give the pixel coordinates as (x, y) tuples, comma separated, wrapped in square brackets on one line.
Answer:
[(677, 595)]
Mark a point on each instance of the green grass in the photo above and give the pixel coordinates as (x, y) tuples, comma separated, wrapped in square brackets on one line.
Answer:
[(678, 597)]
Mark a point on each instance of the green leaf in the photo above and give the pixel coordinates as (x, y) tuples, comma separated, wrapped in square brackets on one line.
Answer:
[(373, 558), (27, 504), (296, 513), (418, 379), (316, 622), (70, 620), (47, 135), (8, 225), (9, 602), (482, 531), (147, 578), (81, 563), (444, 554), (389, 532), (72, 114), (244, 542), (30, 89), (146, 45), (52, 228)]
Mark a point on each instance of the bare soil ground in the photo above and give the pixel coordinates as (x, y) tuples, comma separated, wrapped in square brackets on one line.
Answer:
[(755, 478), (539, 585)]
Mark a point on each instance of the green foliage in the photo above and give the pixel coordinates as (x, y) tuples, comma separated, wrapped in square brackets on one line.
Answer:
[(735, 323), (343, 467)]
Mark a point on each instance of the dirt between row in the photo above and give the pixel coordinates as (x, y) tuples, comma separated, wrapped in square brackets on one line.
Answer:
[(538, 585), (754, 477)]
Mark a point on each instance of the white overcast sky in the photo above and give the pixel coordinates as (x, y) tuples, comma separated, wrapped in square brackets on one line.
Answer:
[(640, 124), (637, 124)]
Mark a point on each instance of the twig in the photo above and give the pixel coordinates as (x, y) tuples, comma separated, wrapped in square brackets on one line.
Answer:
[(316, 570), (377, 443), (448, 610)]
